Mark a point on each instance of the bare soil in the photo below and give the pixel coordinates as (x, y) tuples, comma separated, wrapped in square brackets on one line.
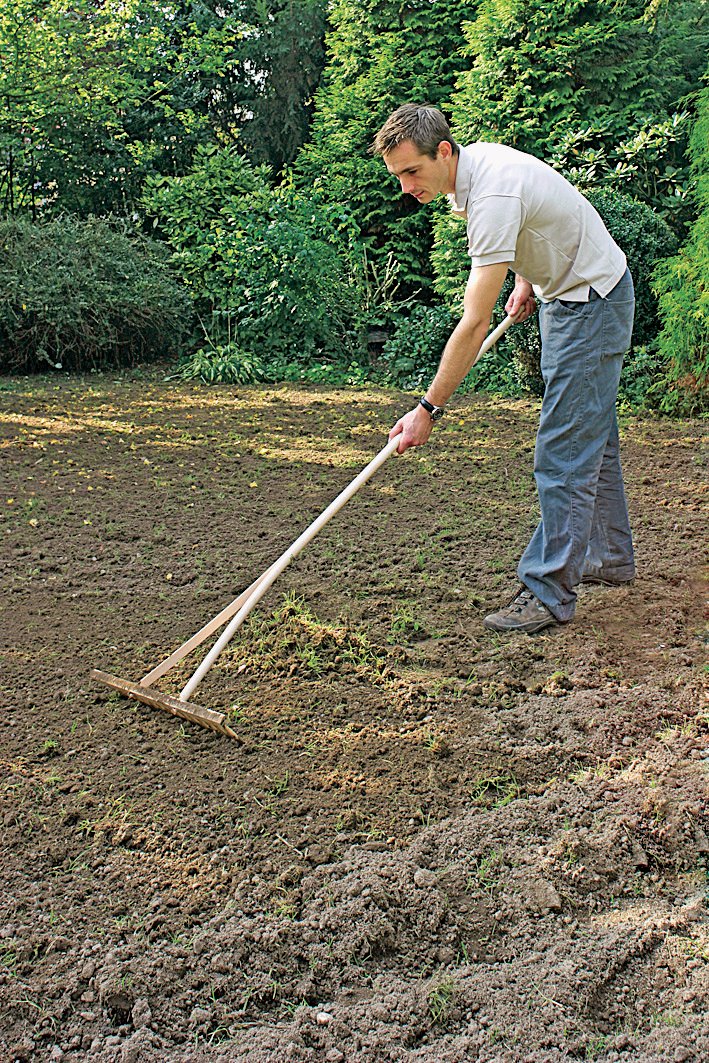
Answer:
[(428, 843)]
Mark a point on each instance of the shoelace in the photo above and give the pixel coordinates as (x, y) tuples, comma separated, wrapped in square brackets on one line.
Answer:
[(523, 599)]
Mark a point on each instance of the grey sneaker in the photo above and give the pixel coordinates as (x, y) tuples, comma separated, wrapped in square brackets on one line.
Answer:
[(524, 613)]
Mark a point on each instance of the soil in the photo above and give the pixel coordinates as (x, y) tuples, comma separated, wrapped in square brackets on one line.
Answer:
[(427, 842)]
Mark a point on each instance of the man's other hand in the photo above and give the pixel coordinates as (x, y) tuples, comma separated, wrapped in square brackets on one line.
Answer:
[(414, 428), (521, 304)]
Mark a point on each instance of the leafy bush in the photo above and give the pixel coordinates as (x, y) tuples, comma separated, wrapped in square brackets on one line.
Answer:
[(85, 295), (224, 364), (275, 272), (682, 284), (410, 357), (645, 238), (649, 162)]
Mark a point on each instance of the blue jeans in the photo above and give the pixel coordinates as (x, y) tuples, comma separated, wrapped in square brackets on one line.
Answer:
[(584, 525)]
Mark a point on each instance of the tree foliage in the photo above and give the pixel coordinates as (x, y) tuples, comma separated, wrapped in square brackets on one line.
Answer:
[(682, 284), (380, 53), (95, 97), (593, 86)]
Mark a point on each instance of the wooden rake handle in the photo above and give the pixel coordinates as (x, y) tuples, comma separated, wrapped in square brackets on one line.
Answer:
[(245, 603)]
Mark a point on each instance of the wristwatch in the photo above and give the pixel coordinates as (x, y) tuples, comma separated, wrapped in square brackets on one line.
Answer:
[(434, 412)]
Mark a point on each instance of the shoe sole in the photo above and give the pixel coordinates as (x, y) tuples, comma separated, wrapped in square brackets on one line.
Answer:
[(525, 629)]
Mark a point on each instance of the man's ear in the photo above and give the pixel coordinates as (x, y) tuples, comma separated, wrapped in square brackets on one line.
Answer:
[(445, 149)]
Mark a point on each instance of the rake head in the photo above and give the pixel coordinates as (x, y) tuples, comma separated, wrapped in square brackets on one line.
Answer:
[(187, 710)]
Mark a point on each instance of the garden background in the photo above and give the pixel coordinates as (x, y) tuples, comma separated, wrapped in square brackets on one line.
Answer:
[(192, 181)]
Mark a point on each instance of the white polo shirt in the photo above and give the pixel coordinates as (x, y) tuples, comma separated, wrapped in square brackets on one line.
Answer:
[(521, 211)]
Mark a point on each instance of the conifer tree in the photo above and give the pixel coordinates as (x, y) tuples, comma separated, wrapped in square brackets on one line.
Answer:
[(381, 54)]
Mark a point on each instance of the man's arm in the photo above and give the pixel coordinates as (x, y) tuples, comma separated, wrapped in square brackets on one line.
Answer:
[(460, 352)]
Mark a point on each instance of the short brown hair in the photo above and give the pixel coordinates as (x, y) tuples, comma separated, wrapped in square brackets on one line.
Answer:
[(422, 124)]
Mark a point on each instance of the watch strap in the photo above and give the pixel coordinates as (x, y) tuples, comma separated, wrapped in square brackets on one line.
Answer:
[(434, 412)]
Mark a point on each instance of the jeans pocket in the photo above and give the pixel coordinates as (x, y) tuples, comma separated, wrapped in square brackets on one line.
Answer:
[(617, 326)]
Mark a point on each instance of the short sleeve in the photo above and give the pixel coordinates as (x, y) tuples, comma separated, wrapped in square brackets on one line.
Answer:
[(494, 223)]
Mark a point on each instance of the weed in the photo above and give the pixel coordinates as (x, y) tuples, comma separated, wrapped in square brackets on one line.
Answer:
[(486, 872), (220, 1035), (695, 950), (116, 815), (601, 770), (595, 1046), (665, 1018), (441, 998), (236, 714), (285, 908), (279, 785), (405, 624), (570, 852), (8, 956), (433, 742), (291, 1006), (425, 818), (495, 791)]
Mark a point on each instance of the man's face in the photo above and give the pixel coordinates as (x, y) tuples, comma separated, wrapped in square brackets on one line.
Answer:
[(421, 176)]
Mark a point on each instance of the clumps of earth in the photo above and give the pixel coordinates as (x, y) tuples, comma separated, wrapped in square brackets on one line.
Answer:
[(427, 843)]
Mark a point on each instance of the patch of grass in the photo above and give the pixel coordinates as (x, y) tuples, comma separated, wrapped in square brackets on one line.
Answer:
[(279, 785), (50, 748), (406, 625), (294, 641), (695, 950), (115, 816), (486, 874), (8, 956), (441, 998), (495, 791), (595, 1046)]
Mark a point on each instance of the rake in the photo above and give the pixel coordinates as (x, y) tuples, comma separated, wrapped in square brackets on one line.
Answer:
[(234, 614)]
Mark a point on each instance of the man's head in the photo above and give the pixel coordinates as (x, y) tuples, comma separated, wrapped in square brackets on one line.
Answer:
[(417, 147)]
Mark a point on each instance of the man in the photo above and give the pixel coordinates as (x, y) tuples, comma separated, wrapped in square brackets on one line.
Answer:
[(522, 215)]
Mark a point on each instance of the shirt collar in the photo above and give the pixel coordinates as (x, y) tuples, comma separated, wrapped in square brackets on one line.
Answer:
[(459, 199)]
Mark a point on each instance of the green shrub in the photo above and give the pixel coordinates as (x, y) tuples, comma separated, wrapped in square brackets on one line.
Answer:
[(648, 163), (222, 364), (266, 261), (682, 284), (645, 238), (274, 271), (85, 295), (410, 357)]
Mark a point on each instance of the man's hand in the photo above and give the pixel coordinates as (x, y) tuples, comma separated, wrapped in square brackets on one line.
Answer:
[(414, 428), (521, 304)]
